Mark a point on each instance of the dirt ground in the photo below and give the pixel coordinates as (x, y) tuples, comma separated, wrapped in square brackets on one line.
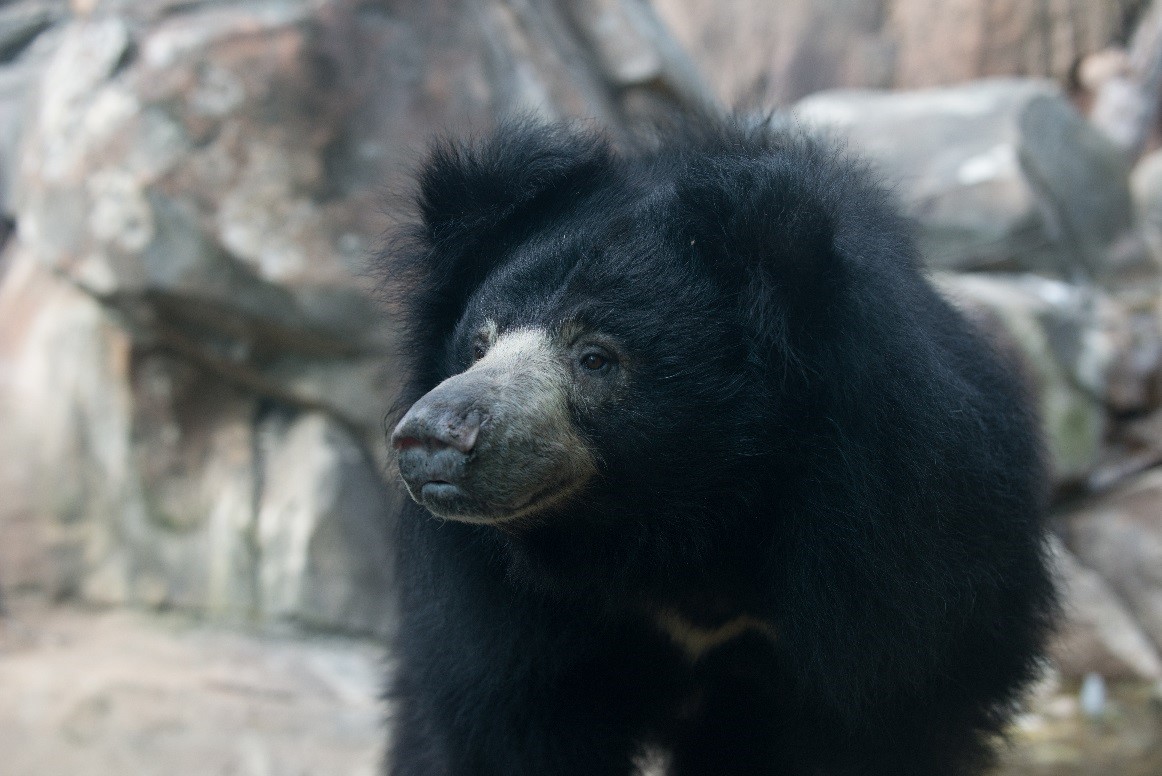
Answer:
[(119, 693)]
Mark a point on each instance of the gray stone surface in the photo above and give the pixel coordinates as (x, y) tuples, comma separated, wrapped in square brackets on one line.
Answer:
[(1146, 188), (1097, 634), (27, 39), (104, 693), (1119, 535), (323, 527), (999, 174), (161, 485)]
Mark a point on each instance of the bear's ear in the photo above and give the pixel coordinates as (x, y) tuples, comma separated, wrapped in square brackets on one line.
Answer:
[(476, 200), (473, 194), (762, 225)]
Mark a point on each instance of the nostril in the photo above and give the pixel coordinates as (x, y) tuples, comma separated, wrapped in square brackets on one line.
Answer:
[(405, 442), (435, 430)]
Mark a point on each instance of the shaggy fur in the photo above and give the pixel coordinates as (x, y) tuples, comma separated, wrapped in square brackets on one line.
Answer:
[(812, 459)]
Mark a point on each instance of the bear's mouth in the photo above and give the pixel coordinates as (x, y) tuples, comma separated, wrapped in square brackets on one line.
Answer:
[(450, 501), (438, 489), (446, 499)]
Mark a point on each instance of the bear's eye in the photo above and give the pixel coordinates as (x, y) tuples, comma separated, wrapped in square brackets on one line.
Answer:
[(594, 362), (478, 351)]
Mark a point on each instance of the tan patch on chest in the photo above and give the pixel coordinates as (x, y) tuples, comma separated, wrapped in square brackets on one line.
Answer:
[(697, 640)]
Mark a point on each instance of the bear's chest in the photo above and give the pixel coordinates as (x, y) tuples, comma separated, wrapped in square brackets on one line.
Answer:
[(697, 636), (700, 627), (712, 656)]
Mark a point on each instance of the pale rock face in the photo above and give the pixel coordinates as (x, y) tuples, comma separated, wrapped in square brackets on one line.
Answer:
[(999, 174), (1098, 634), (1119, 534)]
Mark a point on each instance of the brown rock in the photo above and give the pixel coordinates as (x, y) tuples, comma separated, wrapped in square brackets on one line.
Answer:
[(947, 42), (1000, 174), (1097, 634), (774, 53), (1119, 535)]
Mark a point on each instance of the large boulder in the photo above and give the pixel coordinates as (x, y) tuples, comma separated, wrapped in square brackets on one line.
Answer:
[(186, 192), (999, 174), (1097, 634), (159, 484), (1146, 187), (1119, 535)]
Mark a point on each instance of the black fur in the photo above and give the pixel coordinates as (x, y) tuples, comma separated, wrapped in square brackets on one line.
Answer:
[(810, 436)]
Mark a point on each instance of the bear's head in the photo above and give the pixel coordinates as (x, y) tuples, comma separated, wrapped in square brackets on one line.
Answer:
[(597, 329)]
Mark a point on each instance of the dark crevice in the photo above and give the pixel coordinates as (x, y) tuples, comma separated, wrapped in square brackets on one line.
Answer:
[(126, 58), (7, 229), (21, 33)]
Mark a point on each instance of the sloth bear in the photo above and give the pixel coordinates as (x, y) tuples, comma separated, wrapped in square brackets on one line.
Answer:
[(700, 463)]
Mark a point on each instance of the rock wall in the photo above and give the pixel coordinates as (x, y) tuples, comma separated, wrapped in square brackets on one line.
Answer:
[(195, 371)]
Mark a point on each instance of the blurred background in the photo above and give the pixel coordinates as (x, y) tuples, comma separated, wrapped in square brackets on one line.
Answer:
[(194, 370)]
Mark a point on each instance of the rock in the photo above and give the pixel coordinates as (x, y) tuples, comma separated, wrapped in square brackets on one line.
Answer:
[(221, 252), (160, 485), (26, 42), (948, 42), (1145, 431), (1119, 535), (998, 174), (1146, 186), (1097, 634), (324, 527), (67, 410), (22, 21), (1135, 379), (1094, 72), (763, 53), (1070, 339)]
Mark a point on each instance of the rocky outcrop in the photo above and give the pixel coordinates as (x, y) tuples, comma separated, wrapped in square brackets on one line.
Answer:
[(1097, 634), (998, 175), (774, 53), (1120, 535)]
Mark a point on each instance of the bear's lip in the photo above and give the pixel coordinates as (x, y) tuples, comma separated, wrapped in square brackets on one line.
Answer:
[(443, 497), (451, 501), (438, 489)]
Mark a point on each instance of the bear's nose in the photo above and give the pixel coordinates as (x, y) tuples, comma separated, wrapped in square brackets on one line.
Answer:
[(434, 427)]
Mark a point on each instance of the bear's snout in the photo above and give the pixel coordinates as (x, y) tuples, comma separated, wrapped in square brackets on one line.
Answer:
[(433, 442), (496, 441), (435, 427)]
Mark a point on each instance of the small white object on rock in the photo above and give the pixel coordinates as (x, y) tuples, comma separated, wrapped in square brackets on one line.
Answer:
[(1093, 695)]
